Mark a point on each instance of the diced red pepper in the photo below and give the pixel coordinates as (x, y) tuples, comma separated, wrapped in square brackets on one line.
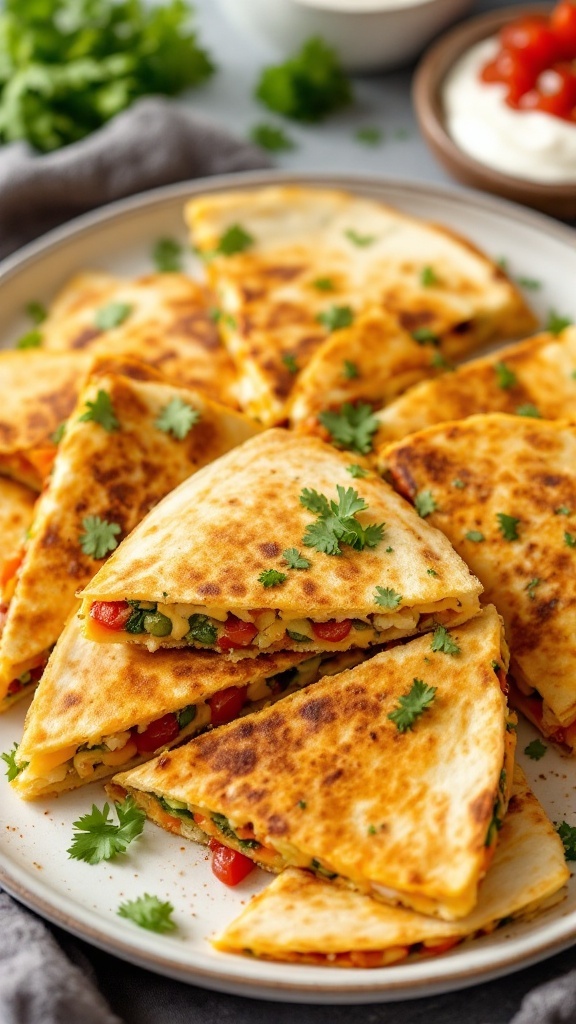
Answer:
[(332, 631), (111, 615), (227, 704), (237, 634), (228, 865), (162, 731)]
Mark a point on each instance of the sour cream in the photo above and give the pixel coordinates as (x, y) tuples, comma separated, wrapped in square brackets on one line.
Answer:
[(526, 144)]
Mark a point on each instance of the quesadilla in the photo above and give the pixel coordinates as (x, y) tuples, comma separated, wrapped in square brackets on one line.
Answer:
[(274, 550), (291, 264), (126, 445), (98, 708), (16, 508), (162, 319), (301, 918), (503, 490), (534, 378), (336, 778)]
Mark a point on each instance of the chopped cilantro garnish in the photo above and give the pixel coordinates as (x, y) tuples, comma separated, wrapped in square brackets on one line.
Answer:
[(556, 323), (358, 472), (529, 410), (431, 572), (389, 550), (425, 336), (530, 283), (369, 136), (458, 483), (298, 638), (475, 536), (99, 536), (531, 587), (352, 427), (360, 240), (97, 838), (37, 312), (167, 255), (335, 318), (569, 540), (149, 912), (302, 805), (536, 749), (505, 377), (235, 239), (425, 503), (271, 578), (290, 362), (272, 138), (337, 524), (439, 362), (306, 87), (428, 277), (502, 262), (562, 510), (371, 830), (10, 758), (33, 339), (508, 526), (59, 433), (202, 630), (323, 284), (102, 412), (350, 370), (112, 315), (567, 834), (215, 314), (442, 641), (177, 418), (294, 559), (412, 704), (387, 598), (229, 320)]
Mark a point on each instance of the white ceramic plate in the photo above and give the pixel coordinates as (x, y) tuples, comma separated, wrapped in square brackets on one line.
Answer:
[(34, 866)]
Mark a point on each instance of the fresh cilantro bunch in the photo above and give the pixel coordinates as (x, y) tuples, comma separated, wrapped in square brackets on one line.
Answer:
[(308, 86), (67, 66), (98, 838), (337, 524)]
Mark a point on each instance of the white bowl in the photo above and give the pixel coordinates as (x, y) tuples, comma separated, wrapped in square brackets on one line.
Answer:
[(368, 35)]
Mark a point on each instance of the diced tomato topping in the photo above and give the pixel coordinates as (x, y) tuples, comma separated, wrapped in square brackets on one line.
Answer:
[(228, 865), (532, 39), (556, 91), (14, 687), (111, 614), (199, 818), (162, 731), (10, 567), (563, 23), (332, 631), (237, 634), (227, 704)]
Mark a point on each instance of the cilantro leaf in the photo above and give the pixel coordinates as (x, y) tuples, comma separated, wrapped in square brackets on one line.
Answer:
[(177, 418), (271, 577), (442, 641), (529, 410), (352, 427), (99, 536), (336, 523), (167, 255), (387, 598), (323, 284), (37, 312), (412, 704), (290, 362), (567, 834), (458, 483), (369, 136), (358, 472), (58, 434), (425, 503), (350, 370), (360, 240), (425, 336), (531, 587), (431, 572), (336, 318), (235, 239), (306, 87), (149, 912), (10, 758), (505, 377), (272, 138), (569, 539), (508, 526), (102, 412), (562, 510), (98, 838), (439, 362), (475, 536), (556, 323), (33, 339), (530, 283), (112, 315), (294, 559), (428, 277), (536, 749)]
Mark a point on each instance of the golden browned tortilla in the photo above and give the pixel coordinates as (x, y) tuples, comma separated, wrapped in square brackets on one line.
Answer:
[(116, 475), (204, 557), (476, 472), (301, 918), (282, 259), (327, 780)]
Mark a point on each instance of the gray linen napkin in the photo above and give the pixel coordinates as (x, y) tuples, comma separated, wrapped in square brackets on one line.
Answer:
[(154, 142)]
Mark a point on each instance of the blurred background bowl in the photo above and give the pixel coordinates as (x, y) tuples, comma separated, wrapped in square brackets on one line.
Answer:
[(368, 35), (556, 199)]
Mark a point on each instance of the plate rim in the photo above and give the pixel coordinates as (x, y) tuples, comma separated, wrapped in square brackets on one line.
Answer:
[(380, 988)]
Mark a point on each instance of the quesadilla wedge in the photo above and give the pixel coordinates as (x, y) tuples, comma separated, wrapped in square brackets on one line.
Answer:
[(162, 319), (236, 560), (98, 708), (503, 490), (533, 378), (126, 445), (291, 264), (301, 918), (336, 779)]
